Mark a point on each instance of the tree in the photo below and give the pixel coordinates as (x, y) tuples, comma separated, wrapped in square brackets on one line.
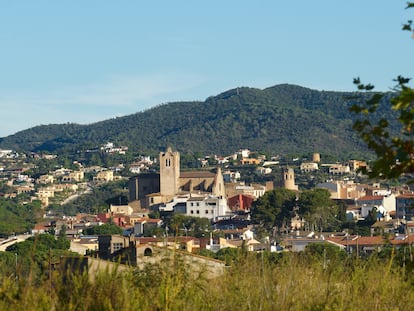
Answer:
[(180, 224), (274, 209), (317, 208), (104, 229), (394, 150)]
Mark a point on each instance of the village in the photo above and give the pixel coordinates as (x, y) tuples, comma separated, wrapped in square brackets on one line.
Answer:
[(213, 193)]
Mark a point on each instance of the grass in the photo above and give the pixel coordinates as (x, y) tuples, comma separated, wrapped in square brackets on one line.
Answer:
[(291, 282)]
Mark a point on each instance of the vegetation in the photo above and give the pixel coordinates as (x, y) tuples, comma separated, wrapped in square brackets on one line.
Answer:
[(394, 149), (103, 229), (16, 217), (275, 209), (180, 224), (264, 120), (322, 279), (97, 200), (33, 257)]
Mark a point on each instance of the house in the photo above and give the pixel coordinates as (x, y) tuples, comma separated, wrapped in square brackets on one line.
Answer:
[(341, 189), (339, 169), (263, 170), (210, 207), (230, 176), (359, 244), (355, 165), (144, 225), (45, 179), (309, 166), (251, 245), (254, 190), (104, 176), (240, 202), (109, 245), (384, 204), (405, 206), (250, 161), (121, 209)]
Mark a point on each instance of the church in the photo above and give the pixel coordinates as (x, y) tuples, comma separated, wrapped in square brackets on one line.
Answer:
[(154, 190)]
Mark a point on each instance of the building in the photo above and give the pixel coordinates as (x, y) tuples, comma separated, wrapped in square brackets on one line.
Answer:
[(104, 176), (288, 178), (405, 206), (356, 165), (384, 204), (343, 189), (339, 169), (240, 202), (121, 209), (210, 207), (154, 189), (309, 167), (142, 185), (144, 225)]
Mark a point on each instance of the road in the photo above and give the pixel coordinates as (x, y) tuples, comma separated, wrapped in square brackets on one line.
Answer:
[(12, 240)]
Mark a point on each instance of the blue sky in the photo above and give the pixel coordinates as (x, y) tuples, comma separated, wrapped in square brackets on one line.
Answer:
[(87, 61)]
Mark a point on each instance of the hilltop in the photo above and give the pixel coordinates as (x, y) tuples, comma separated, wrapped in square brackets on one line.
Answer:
[(281, 119)]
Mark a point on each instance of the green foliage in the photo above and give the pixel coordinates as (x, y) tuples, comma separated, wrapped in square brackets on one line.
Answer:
[(103, 229), (98, 201), (181, 225), (18, 218), (34, 255), (394, 148), (231, 256), (265, 120), (318, 279), (325, 251), (317, 208), (274, 208)]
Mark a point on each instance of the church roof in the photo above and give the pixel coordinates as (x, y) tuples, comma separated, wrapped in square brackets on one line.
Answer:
[(197, 174)]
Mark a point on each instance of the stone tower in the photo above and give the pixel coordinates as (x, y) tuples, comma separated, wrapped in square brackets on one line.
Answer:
[(218, 187), (169, 172), (316, 157), (288, 178)]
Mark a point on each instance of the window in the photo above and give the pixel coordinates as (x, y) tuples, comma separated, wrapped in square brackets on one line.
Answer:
[(206, 211), (148, 252), (117, 246), (198, 212)]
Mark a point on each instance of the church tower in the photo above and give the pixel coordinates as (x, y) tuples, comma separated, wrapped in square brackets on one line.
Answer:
[(218, 186), (288, 177), (169, 172)]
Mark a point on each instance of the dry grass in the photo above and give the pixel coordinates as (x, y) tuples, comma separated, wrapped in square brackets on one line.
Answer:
[(294, 283)]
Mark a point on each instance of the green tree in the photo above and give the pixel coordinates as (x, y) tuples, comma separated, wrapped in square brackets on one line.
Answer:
[(104, 229), (180, 224), (394, 149), (317, 208), (274, 209)]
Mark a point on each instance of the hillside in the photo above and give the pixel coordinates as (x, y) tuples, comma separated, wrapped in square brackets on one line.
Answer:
[(280, 119)]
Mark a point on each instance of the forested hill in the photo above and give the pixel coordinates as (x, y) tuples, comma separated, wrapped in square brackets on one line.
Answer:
[(281, 119)]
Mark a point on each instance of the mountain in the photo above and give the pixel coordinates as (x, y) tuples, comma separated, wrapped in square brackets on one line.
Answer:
[(282, 119)]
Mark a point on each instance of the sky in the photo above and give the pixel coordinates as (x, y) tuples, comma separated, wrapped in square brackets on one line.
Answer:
[(77, 61)]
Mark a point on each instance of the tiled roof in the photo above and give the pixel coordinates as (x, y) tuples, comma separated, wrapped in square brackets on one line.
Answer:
[(197, 174), (358, 240), (371, 198)]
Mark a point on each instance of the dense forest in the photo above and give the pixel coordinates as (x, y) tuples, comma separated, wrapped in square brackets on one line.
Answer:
[(281, 119)]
